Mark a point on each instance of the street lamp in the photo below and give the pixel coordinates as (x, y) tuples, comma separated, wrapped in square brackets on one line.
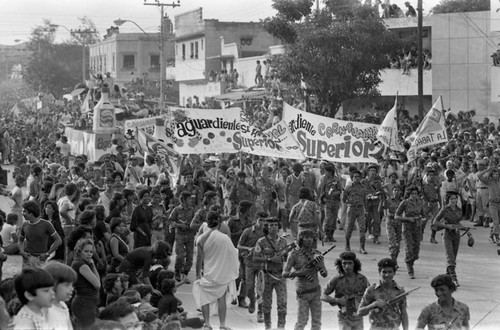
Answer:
[(119, 22), (72, 32)]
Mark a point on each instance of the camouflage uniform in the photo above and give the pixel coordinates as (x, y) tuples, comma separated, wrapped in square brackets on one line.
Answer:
[(236, 227), (348, 315), (355, 196), (264, 200), (430, 190), (375, 292), (412, 231), (184, 238), (308, 291), (304, 213), (331, 201), (434, 317), (450, 216), (394, 228), (267, 247), (372, 215), (249, 238)]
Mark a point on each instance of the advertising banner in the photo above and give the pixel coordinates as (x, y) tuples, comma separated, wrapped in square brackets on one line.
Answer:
[(333, 140)]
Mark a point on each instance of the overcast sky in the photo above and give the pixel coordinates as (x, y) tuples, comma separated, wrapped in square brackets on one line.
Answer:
[(18, 17)]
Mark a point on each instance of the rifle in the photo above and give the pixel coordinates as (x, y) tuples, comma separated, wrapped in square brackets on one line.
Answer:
[(448, 325), (387, 313), (313, 262)]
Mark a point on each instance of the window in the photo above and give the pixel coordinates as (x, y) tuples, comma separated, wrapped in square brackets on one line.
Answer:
[(196, 49), (201, 44), (105, 66), (128, 62), (192, 50), (113, 62), (183, 51), (154, 61)]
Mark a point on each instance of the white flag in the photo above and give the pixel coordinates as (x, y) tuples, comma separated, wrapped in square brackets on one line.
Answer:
[(431, 131), (388, 130)]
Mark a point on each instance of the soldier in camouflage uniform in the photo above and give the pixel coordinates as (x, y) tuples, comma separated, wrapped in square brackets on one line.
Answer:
[(330, 191), (355, 198), (348, 288), (242, 191), (181, 218), (430, 192), (374, 199), (272, 251), (237, 224), (414, 211), (246, 247), (394, 227), (307, 262)]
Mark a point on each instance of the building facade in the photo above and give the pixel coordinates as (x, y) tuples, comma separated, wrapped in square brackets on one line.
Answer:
[(198, 52), (128, 56)]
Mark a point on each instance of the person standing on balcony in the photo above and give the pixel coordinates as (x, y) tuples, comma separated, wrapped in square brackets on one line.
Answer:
[(258, 74)]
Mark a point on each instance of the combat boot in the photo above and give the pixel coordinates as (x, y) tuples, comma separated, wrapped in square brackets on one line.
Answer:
[(242, 302), (362, 247), (267, 321), (281, 321), (479, 222), (347, 245), (433, 237), (251, 307), (450, 270), (411, 271)]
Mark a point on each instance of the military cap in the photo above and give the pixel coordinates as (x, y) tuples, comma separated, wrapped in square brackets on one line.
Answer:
[(387, 262)]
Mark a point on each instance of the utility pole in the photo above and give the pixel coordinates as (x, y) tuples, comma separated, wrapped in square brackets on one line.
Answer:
[(162, 65), (82, 32), (420, 65)]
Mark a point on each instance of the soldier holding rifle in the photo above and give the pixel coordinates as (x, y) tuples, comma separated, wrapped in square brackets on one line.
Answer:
[(272, 251), (413, 209), (348, 286), (449, 219), (385, 300), (307, 262)]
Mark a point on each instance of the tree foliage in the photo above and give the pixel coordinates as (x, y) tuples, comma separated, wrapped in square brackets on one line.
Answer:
[(12, 91), (52, 68), (461, 6), (336, 53)]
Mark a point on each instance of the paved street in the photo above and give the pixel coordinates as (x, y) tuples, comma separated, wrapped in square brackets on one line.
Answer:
[(478, 270)]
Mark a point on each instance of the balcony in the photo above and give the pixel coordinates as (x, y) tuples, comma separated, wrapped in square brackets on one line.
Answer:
[(394, 81)]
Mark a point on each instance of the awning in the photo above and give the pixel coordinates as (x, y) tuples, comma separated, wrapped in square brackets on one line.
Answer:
[(243, 95)]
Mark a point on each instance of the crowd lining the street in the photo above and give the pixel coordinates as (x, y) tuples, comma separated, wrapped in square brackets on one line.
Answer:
[(97, 239)]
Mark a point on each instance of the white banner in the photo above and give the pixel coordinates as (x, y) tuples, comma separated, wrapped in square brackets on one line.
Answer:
[(200, 131), (333, 140), (274, 142)]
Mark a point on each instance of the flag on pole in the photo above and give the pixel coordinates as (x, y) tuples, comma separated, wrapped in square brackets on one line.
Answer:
[(85, 105), (388, 130), (163, 154), (431, 131)]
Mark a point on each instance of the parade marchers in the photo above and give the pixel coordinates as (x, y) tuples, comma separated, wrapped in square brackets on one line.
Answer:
[(116, 224)]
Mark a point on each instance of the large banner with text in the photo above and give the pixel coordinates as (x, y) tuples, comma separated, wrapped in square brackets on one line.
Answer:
[(333, 140)]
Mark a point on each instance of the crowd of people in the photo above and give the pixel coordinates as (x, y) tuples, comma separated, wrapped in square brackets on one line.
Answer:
[(96, 239)]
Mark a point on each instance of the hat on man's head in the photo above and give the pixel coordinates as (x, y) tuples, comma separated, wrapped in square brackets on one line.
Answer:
[(375, 166), (429, 167)]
